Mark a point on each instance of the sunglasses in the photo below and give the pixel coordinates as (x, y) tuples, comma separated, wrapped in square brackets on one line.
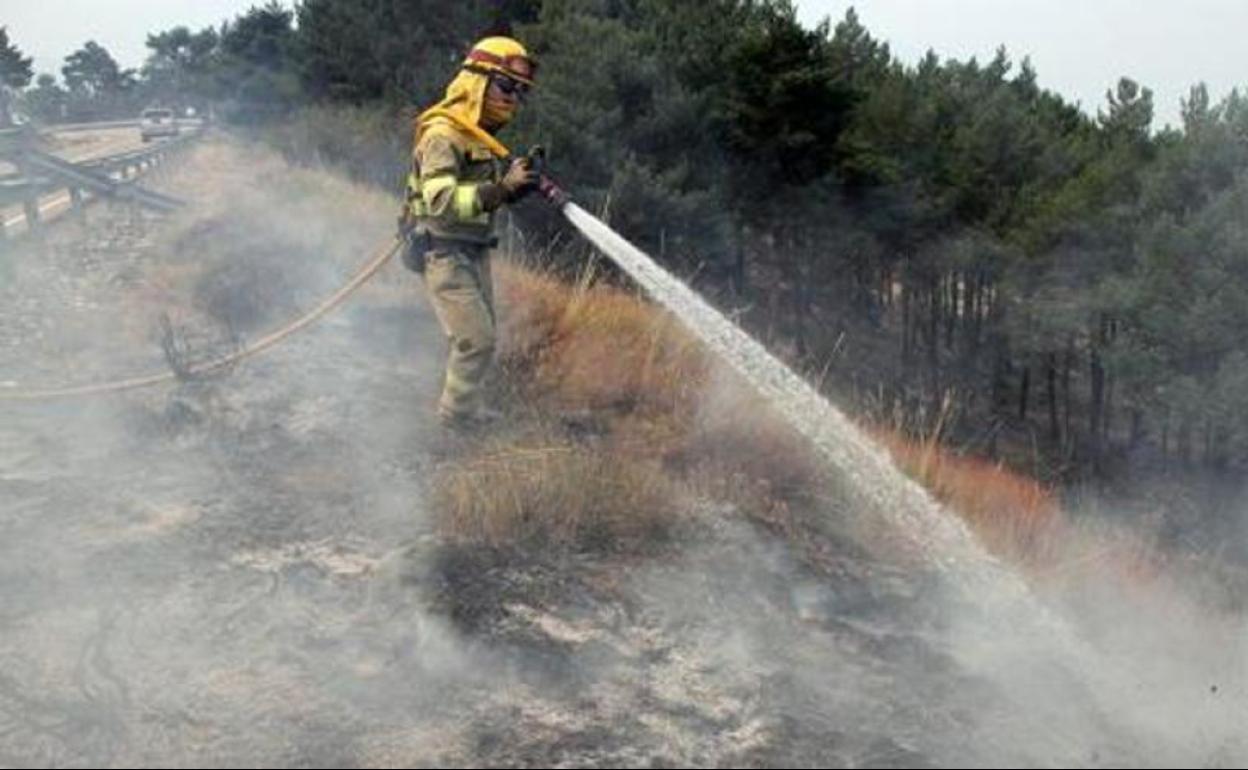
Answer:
[(511, 87)]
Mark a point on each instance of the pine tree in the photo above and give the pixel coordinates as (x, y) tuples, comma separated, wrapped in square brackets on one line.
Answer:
[(15, 73), (98, 87)]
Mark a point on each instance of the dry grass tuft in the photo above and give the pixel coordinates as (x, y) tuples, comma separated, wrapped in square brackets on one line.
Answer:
[(583, 359), (593, 347), (550, 491)]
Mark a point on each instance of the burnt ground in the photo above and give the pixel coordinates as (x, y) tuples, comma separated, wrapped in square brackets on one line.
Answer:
[(241, 570)]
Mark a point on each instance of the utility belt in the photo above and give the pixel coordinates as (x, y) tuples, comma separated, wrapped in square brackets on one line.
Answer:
[(419, 241)]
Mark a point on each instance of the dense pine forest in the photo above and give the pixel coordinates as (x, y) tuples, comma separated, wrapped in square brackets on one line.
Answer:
[(946, 244)]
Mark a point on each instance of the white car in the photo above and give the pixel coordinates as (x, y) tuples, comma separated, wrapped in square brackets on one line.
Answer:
[(156, 123)]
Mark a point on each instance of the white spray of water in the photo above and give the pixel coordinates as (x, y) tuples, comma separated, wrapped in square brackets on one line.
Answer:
[(872, 476), (1008, 620)]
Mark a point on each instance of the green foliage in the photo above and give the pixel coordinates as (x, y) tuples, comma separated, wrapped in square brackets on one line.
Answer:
[(92, 70), (353, 51), (15, 69), (256, 76), (623, 131), (47, 102), (178, 71), (781, 106), (15, 73), (98, 87)]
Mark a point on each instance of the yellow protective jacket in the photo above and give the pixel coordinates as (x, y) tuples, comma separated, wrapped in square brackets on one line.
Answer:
[(453, 190), (453, 187)]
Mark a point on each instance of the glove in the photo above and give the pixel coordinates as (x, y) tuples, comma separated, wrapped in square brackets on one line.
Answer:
[(520, 180)]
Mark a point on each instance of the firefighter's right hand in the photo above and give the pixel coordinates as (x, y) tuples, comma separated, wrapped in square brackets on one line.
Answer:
[(520, 180)]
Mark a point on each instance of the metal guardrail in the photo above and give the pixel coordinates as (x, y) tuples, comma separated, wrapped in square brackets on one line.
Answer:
[(187, 124), (66, 128), (102, 183), (69, 128), (40, 174)]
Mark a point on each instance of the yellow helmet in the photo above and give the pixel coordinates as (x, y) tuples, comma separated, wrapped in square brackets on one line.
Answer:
[(502, 56), (464, 103)]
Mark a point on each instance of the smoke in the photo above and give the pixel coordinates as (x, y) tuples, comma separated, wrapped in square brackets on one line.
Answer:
[(199, 575), (238, 570), (843, 659)]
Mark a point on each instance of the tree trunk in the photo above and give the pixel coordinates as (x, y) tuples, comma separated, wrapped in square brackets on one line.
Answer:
[(1107, 419), (968, 316), (1068, 364), (1096, 403), (977, 311), (933, 339), (1165, 438), (1137, 427), (1221, 438), (738, 268), (1051, 377), (797, 272), (1024, 390), (951, 314), (905, 325)]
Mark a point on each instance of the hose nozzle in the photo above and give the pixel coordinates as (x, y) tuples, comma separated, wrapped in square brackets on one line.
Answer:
[(547, 187)]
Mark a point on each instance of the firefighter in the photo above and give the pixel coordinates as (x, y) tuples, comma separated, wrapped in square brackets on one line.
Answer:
[(459, 180)]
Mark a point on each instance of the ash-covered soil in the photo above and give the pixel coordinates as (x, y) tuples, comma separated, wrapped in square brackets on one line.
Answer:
[(242, 570)]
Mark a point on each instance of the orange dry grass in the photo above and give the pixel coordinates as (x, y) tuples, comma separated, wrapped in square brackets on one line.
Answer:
[(595, 347), (1015, 517), (672, 427)]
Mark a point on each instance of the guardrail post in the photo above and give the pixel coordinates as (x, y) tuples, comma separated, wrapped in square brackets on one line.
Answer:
[(30, 207), (30, 201)]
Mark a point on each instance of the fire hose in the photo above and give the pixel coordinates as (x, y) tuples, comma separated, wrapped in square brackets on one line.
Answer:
[(546, 187), (361, 276)]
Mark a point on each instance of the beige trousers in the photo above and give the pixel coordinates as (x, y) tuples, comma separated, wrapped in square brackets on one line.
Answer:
[(462, 295)]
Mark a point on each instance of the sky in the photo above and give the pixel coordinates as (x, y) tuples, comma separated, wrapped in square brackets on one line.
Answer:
[(1079, 47), (50, 30)]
